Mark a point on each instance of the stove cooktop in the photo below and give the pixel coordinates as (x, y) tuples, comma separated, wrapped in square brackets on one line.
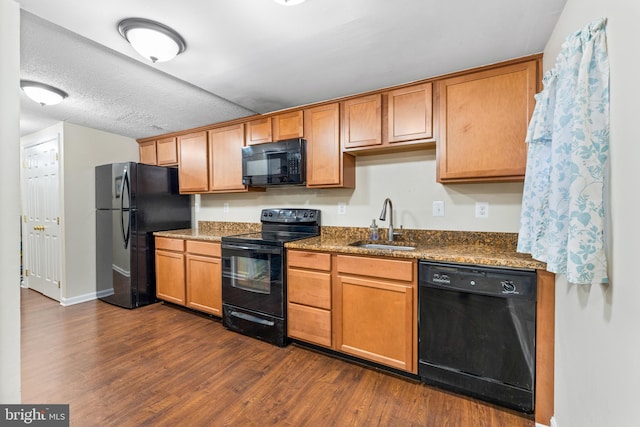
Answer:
[(282, 225)]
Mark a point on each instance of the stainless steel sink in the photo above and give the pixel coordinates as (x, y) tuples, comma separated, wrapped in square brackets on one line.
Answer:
[(384, 246)]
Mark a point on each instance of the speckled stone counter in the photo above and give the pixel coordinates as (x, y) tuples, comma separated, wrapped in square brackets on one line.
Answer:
[(212, 231), (483, 248)]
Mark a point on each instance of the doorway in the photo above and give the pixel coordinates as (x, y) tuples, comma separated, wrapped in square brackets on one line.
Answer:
[(41, 216)]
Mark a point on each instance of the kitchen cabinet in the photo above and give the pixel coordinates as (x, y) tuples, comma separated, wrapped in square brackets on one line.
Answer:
[(193, 163), (167, 151), (288, 125), (170, 280), (327, 165), (203, 273), (162, 152), (225, 158), (409, 114), (275, 128), (362, 121), (374, 314), (189, 273), (147, 152), (483, 123), (309, 297), (400, 119)]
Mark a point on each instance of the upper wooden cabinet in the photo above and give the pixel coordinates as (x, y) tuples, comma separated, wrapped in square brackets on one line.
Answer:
[(327, 165), (483, 123), (148, 152), (193, 163), (167, 151), (362, 121), (259, 131), (394, 120), (225, 162), (288, 126), (163, 152), (275, 128), (409, 114)]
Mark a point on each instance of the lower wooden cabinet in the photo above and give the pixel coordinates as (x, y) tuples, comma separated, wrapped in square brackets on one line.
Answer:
[(189, 273), (361, 306), (309, 297), (375, 311)]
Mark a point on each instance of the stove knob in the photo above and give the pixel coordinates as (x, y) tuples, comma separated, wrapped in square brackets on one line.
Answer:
[(508, 286), (310, 214), (270, 214)]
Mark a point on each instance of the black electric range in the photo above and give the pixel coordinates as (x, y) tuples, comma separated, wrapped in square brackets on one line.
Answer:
[(254, 273)]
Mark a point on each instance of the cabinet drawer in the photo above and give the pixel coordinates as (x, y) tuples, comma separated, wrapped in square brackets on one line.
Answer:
[(313, 260), (169, 244), (309, 288), (309, 324), (376, 267), (204, 248)]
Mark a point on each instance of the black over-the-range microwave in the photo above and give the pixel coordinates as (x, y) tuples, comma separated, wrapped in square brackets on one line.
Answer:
[(275, 163)]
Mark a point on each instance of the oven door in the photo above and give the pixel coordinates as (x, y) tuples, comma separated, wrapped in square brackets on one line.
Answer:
[(252, 277)]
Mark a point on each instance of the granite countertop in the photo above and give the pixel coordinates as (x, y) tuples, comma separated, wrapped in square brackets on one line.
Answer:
[(482, 248)]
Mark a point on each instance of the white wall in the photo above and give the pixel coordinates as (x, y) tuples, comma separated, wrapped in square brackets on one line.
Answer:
[(409, 179), (597, 371), (10, 211), (83, 149)]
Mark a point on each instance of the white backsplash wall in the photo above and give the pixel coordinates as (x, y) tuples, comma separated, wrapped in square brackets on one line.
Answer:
[(409, 179)]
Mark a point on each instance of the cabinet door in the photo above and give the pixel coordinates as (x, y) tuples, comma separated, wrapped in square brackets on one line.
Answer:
[(259, 131), (362, 121), (193, 163), (327, 166), (167, 151), (170, 283), (288, 126), (410, 113), (204, 284), (147, 152), (483, 124), (225, 148), (376, 321)]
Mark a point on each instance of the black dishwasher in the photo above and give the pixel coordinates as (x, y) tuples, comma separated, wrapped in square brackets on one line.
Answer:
[(477, 328)]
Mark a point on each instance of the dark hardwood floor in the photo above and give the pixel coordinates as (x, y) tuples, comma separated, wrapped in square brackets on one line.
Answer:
[(162, 366)]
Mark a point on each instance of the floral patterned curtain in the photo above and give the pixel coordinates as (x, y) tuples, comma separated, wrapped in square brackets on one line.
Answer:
[(563, 217)]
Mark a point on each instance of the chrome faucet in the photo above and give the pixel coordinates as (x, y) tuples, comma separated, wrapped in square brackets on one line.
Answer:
[(383, 216)]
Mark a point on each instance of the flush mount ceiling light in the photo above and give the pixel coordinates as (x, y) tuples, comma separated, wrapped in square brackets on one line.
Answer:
[(288, 2), (42, 93), (153, 40)]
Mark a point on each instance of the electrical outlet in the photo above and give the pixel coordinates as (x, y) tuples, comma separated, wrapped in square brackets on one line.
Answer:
[(438, 208), (342, 208), (482, 210), (225, 207)]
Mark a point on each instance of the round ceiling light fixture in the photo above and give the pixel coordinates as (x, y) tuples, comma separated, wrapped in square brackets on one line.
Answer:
[(43, 94), (288, 2), (151, 39)]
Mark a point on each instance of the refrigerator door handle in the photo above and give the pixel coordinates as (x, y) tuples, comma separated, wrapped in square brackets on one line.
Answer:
[(125, 233)]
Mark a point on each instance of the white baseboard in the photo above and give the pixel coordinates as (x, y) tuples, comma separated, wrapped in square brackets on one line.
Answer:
[(84, 298), (553, 423)]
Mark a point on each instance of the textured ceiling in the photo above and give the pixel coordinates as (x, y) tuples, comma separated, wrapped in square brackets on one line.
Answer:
[(255, 56)]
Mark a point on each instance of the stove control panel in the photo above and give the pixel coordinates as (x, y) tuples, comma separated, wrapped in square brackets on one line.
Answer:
[(288, 216)]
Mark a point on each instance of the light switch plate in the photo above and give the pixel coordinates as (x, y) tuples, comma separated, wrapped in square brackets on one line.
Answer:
[(225, 207)]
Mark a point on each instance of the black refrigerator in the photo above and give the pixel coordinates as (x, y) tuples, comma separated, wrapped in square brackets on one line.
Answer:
[(132, 201)]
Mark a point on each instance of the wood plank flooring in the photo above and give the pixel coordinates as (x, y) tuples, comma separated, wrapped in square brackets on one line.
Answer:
[(161, 366)]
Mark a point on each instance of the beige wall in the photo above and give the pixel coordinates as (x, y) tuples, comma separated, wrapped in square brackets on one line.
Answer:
[(597, 341), (10, 211), (409, 179)]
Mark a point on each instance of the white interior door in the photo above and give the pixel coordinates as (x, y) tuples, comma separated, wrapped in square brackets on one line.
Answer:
[(41, 217)]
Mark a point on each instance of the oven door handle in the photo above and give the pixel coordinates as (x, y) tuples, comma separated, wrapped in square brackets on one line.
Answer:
[(257, 248)]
